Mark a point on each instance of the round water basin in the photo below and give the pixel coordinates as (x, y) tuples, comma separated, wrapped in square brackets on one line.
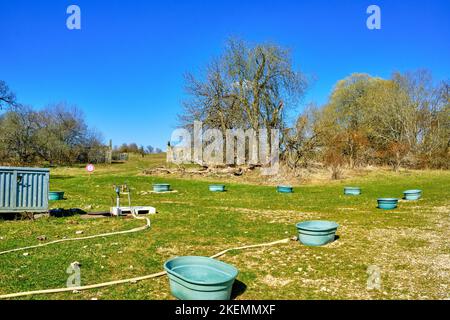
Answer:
[(316, 232), (200, 278), (412, 194), (56, 195), (217, 188), (353, 191), (285, 189), (387, 203), (161, 187)]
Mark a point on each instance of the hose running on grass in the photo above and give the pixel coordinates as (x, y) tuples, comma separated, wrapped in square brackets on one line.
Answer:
[(132, 280), (133, 213)]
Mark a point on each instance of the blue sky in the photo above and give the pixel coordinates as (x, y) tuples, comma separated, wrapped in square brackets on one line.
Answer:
[(125, 67)]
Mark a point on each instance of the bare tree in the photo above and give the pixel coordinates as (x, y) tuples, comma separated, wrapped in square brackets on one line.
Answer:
[(403, 121), (247, 87), (7, 97), (303, 141), (57, 134)]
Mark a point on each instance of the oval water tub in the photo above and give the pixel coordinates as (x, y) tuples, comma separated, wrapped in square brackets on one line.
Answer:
[(354, 191), (55, 195), (387, 203), (161, 187), (412, 194), (217, 188), (200, 278), (285, 189), (316, 232)]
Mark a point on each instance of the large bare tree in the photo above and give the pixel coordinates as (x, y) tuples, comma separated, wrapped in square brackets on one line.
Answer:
[(248, 87)]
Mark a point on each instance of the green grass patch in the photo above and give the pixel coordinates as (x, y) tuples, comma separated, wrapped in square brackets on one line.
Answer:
[(409, 244)]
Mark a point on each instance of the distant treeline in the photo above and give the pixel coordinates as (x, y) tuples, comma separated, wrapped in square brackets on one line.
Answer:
[(403, 121), (57, 134), (134, 148)]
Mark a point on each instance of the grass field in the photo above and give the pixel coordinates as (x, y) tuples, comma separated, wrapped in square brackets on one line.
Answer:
[(410, 245)]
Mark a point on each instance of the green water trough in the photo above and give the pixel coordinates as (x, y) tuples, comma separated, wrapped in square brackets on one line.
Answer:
[(387, 203), (200, 278), (317, 232), (161, 187), (217, 188), (55, 195), (285, 189), (412, 194), (352, 191)]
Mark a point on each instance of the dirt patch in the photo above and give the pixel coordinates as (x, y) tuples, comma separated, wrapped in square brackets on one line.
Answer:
[(176, 202), (275, 282), (94, 216), (419, 251), (442, 209), (167, 251), (273, 216)]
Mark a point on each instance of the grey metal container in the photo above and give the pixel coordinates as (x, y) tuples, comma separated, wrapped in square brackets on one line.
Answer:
[(24, 189)]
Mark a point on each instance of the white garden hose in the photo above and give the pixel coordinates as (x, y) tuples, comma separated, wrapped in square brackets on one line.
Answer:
[(131, 280), (133, 213), (147, 225)]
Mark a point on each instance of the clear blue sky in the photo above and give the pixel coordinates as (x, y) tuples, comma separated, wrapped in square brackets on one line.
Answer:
[(125, 67)]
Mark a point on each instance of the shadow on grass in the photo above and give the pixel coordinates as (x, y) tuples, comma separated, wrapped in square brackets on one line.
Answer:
[(8, 216), (60, 177), (118, 162), (238, 288), (60, 213)]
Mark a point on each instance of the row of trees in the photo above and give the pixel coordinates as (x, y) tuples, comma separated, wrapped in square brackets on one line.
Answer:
[(247, 87), (57, 134), (402, 121), (134, 148)]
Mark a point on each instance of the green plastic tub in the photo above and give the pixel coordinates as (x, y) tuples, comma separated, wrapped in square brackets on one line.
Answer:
[(55, 195), (200, 278), (387, 203), (316, 232), (161, 187), (285, 189), (217, 188), (352, 191), (412, 194)]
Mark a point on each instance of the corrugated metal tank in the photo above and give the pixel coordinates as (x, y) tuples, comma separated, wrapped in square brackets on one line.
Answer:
[(24, 189)]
